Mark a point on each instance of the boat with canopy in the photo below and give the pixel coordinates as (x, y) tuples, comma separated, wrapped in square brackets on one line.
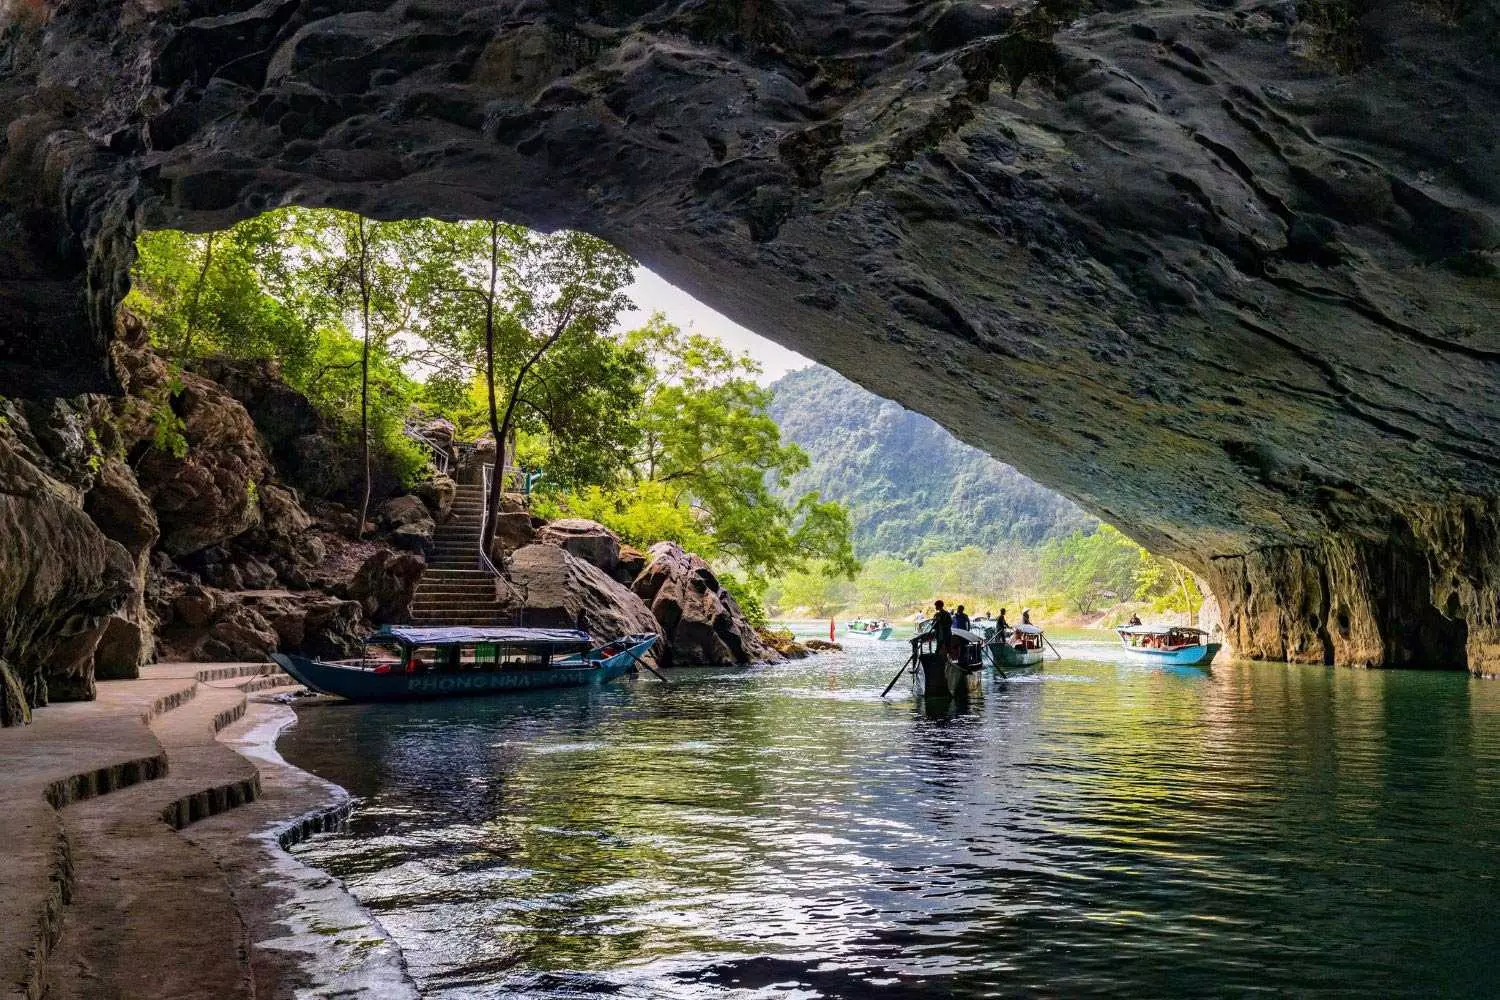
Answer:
[(873, 628), (408, 662), (1169, 644), (1021, 647)]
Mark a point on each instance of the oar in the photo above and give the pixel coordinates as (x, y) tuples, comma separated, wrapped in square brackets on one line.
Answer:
[(1054, 648), (892, 684), (649, 667)]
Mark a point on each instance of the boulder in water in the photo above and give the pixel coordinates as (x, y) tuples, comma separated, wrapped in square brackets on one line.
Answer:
[(702, 622)]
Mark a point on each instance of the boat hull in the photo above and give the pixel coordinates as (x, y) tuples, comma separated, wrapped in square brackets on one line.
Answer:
[(937, 678), (1004, 656), (1187, 656), (880, 633), (358, 684)]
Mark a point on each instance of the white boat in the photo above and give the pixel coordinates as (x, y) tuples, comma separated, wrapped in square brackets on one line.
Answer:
[(873, 628)]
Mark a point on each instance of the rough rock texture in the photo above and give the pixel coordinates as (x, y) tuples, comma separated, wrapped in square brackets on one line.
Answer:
[(217, 625), (1224, 276), (629, 564), (588, 540), (409, 522), (211, 493), (702, 623), (61, 577), (386, 583), (513, 530), (121, 510), (438, 493), (554, 588)]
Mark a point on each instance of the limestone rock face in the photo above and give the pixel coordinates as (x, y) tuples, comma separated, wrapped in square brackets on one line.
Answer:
[(556, 589), (211, 493), (629, 565), (588, 540), (702, 623), (386, 583), (60, 577), (216, 625), (1194, 265)]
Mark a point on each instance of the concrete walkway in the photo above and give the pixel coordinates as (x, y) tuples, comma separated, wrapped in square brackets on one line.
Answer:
[(101, 894)]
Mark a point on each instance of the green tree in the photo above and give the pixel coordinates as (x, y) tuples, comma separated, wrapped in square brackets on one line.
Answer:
[(1087, 568), (894, 585), (821, 589), (705, 438)]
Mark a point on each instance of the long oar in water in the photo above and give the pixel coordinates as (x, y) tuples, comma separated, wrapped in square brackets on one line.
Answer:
[(1054, 648), (903, 669)]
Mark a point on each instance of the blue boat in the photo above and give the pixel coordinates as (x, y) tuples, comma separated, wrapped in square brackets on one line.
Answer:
[(407, 663), (1170, 645)]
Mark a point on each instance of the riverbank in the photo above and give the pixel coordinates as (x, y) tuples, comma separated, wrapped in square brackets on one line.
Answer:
[(145, 836)]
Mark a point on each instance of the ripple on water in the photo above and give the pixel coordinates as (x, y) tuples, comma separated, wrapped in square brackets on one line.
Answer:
[(1089, 829)]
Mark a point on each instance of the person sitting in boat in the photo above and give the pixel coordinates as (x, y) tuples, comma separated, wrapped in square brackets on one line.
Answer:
[(960, 619), (1025, 616), (1134, 620)]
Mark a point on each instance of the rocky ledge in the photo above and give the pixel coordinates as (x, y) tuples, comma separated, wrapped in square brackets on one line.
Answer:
[(1224, 273)]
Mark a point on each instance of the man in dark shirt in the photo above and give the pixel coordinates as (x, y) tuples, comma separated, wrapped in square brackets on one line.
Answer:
[(942, 627), (961, 620), (1001, 625)]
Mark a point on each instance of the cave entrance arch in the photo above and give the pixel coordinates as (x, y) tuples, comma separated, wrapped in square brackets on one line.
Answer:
[(1226, 291)]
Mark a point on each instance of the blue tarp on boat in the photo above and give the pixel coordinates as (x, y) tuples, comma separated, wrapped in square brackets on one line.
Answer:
[(499, 635)]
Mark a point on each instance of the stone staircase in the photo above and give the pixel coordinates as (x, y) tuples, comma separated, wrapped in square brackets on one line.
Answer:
[(456, 589)]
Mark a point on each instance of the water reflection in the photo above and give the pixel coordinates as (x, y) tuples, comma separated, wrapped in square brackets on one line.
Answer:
[(1092, 830)]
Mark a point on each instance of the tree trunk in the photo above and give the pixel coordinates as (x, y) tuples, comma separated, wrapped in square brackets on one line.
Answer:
[(192, 317), (364, 370), (492, 501)]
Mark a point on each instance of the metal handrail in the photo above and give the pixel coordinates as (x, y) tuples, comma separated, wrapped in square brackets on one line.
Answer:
[(436, 453)]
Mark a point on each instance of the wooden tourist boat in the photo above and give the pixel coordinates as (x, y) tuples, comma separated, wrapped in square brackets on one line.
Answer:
[(407, 663), (876, 628), (1022, 647), (954, 673), (1168, 644)]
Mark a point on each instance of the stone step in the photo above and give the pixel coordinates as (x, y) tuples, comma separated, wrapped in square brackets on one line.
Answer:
[(478, 592), (476, 620), (134, 875), (475, 573)]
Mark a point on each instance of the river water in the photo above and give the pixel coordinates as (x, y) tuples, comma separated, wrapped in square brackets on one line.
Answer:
[(1094, 830)]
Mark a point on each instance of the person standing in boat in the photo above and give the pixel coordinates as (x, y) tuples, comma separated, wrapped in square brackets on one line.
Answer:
[(942, 627), (960, 619), (1025, 616), (1001, 625)]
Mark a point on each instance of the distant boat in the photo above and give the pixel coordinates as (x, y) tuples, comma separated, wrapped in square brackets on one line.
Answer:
[(1023, 647), (1168, 644), (875, 628), (410, 663)]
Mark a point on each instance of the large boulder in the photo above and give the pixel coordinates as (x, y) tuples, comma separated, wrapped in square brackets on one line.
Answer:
[(554, 588), (438, 493), (513, 530), (629, 565), (588, 540), (215, 625), (385, 584), (211, 493), (702, 623), (409, 522)]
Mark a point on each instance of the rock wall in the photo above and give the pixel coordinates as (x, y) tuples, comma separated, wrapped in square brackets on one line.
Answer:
[(1221, 273)]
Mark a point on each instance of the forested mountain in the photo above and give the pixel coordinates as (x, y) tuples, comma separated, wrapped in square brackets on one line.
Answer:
[(911, 487)]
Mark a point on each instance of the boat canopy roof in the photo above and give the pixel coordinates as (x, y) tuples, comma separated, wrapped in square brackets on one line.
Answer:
[(1026, 629), (1157, 629), (412, 635), (958, 633)]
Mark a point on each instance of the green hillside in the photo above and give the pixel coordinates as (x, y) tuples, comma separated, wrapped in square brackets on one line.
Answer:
[(911, 487)]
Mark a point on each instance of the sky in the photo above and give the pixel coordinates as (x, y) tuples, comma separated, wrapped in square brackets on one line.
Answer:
[(652, 294)]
